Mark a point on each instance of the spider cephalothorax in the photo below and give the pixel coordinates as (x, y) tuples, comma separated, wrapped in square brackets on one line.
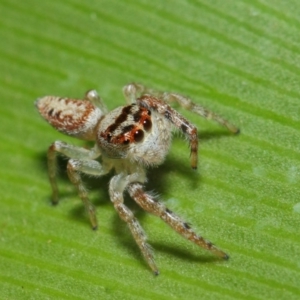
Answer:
[(128, 139)]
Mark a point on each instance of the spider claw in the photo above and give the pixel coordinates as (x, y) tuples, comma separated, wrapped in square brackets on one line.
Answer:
[(54, 202), (238, 131), (226, 256)]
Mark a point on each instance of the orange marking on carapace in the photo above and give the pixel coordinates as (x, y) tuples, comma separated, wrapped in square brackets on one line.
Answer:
[(134, 134)]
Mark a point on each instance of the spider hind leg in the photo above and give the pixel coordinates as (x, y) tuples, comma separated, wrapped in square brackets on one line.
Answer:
[(149, 204)]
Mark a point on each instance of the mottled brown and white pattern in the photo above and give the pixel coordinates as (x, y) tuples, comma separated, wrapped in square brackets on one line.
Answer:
[(73, 117), (127, 140)]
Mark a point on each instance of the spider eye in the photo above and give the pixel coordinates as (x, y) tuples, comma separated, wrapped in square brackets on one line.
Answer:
[(108, 137), (147, 124), (138, 135), (126, 142)]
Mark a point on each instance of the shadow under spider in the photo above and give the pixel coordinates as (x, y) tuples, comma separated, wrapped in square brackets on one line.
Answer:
[(187, 255)]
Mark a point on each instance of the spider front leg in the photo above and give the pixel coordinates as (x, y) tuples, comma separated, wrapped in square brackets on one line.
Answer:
[(188, 104), (149, 204), (116, 188), (134, 90), (188, 129), (81, 161)]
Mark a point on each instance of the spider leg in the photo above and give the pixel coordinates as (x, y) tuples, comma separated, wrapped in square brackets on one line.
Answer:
[(94, 97), (90, 167), (148, 203), (116, 189), (81, 161), (188, 129), (133, 90), (188, 104)]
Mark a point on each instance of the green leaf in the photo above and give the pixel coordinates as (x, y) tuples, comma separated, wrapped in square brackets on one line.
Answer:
[(239, 59)]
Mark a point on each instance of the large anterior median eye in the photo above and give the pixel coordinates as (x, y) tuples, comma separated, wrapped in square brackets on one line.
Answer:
[(138, 135), (147, 124)]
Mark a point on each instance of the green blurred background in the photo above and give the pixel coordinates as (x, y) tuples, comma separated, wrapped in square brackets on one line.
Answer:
[(238, 58)]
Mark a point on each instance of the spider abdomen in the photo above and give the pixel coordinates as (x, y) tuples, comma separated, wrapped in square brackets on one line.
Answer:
[(73, 117)]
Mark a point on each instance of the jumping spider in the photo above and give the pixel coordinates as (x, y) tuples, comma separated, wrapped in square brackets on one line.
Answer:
[(129, 139)]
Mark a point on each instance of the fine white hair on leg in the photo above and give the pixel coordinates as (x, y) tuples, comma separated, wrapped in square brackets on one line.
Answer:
[(116, 195), (149, 204), (90, 167), (81, 161), (133, 90), (68, 151), (200, 110)]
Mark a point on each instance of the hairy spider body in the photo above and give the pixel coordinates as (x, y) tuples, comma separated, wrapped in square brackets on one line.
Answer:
[(128, 139), (129, 133)]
